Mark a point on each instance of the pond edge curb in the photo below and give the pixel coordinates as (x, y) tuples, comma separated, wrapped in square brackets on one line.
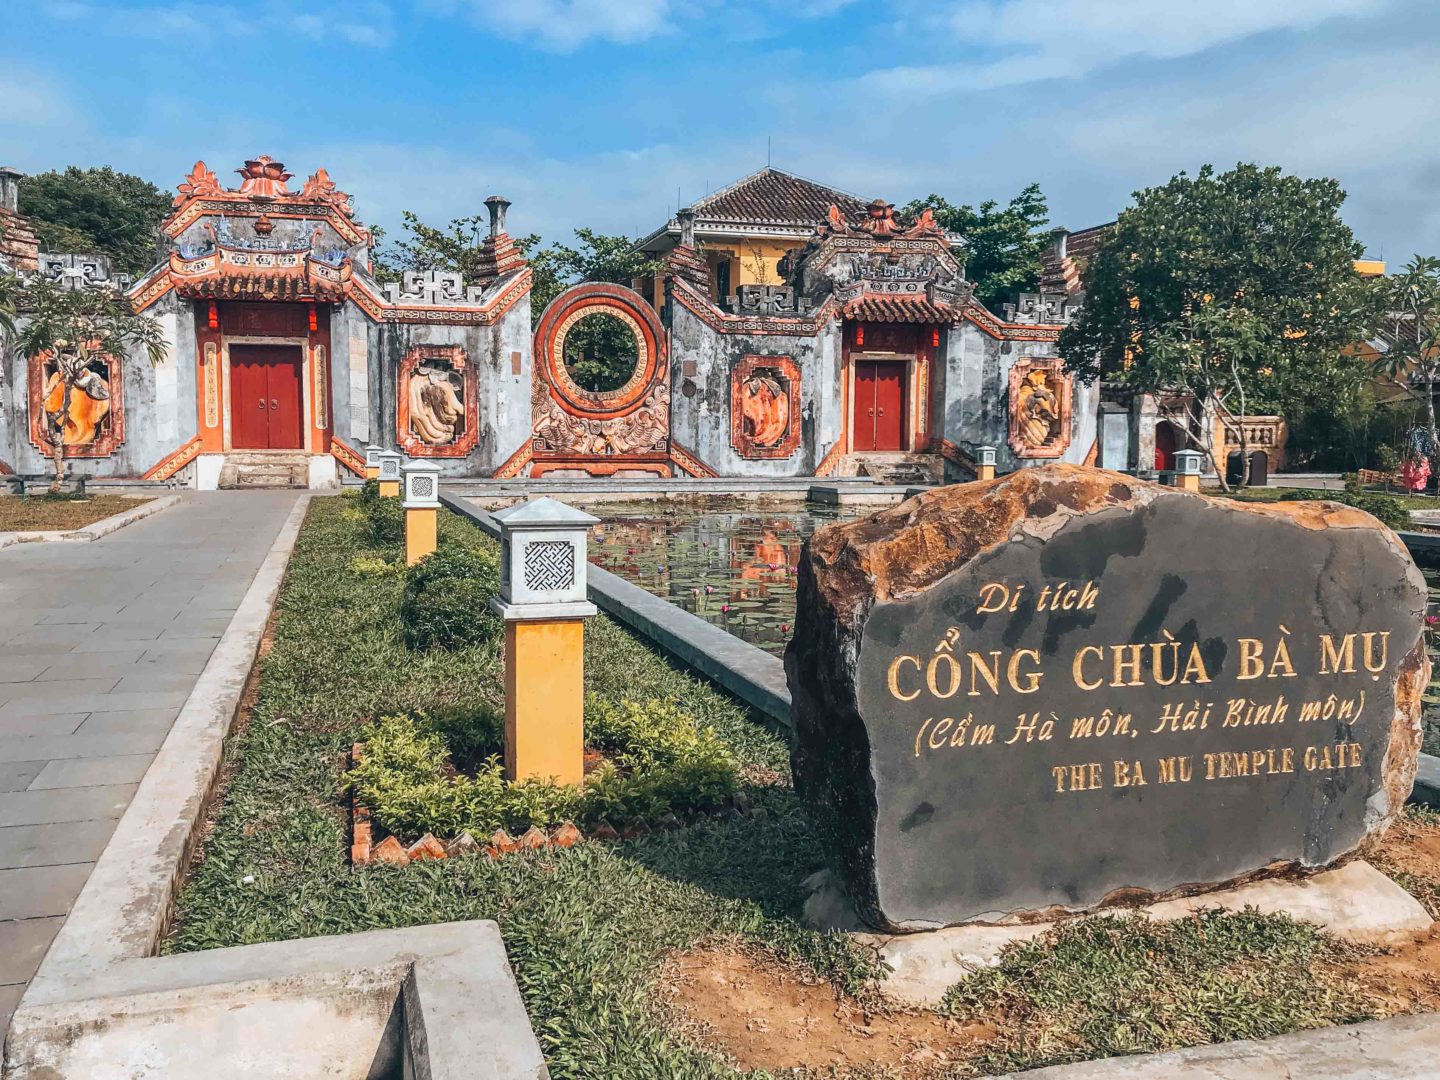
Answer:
[(744, 670)]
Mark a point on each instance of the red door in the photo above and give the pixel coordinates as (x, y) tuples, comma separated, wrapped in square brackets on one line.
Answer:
[(879, 420), (265, 397)]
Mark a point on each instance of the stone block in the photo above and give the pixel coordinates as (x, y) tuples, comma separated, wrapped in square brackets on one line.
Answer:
[(1032, 695)]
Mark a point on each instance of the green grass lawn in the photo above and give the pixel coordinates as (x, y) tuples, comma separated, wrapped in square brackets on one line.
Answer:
[(587, 928)]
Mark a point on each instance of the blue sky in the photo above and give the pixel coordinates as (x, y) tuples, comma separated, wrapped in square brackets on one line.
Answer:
[(595, 112)]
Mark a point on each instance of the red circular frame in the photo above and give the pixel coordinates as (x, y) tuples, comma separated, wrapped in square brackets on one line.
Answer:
[(598, 297)]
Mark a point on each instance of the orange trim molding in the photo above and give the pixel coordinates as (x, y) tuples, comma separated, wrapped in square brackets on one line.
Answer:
[(172, 463), (347, 456), (691, 464), (515, 463), (832, 458)]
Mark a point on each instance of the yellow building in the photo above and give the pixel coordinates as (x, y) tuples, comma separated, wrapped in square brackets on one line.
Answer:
[(744, 230)]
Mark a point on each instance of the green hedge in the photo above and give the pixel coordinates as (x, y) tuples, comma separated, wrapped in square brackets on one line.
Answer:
[(444, 775), (446, 600)]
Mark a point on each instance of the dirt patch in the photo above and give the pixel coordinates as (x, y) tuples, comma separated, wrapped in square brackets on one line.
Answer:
[(1404, 978), (37, 513), (762, 1015)]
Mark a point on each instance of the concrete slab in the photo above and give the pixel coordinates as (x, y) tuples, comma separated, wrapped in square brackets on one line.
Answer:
[(33, 891), (1405, 1048), (94, 744), (1354, 902), (92, 772), (64, 804), (54, 845), (22, 946), (437, 1002), (16, 775)]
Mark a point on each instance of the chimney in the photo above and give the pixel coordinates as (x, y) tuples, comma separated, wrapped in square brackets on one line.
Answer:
[(686, 216), (1058, 236), (497, 205), (10, 188)]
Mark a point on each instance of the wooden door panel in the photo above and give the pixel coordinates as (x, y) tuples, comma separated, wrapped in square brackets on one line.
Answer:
[(889, 406), (249, 399), (283, 379), (862, 425)]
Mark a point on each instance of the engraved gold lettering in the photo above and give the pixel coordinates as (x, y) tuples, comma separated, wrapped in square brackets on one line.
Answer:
[(893, 678)]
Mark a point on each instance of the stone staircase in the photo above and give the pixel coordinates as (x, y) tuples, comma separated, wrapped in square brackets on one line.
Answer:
[(896, 468), (265, 469)]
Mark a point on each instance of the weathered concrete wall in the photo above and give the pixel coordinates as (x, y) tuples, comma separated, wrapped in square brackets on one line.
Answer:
[(700, 403), (158, 403), (976, 397), (504, 392)]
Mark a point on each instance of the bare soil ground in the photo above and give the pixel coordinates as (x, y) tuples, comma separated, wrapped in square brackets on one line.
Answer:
[(759, 1014), (36, 513)]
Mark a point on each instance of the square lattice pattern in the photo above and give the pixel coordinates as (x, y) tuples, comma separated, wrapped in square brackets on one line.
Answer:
[(549, 565), (423, 487)]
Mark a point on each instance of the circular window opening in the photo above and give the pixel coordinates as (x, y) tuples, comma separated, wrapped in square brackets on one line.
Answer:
[(601, 353)]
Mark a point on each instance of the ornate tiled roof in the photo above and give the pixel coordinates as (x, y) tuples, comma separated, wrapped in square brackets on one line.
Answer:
[(772, 196), (899, 309)]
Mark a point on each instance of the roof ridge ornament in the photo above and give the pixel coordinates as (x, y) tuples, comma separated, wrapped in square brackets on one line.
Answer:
[(263, 178), (201, 180)]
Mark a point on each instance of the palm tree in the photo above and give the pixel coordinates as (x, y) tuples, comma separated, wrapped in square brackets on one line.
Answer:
[(75, 328)]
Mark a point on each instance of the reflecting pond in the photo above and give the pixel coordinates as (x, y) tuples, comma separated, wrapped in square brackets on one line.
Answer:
[(730, 561)]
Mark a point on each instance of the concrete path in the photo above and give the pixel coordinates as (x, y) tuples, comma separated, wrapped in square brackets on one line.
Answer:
[(100, 645)]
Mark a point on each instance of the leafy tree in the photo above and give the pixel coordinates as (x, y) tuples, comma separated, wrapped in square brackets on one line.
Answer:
[(603, 348), (97, 211), (1003, 243), (1412, 362), (78, 327), (1238, 290)]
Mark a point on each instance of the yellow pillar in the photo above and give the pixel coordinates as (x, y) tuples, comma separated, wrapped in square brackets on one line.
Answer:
[(984, 472), (389, 488), (545, 700), (372, 471), (1188, 481), (420, 530)]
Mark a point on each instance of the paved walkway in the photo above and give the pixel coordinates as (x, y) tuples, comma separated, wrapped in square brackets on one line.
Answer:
[(100, 645)]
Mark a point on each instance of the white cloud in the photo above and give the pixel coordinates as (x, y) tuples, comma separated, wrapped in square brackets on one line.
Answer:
[(1021, 41), (564, 25)]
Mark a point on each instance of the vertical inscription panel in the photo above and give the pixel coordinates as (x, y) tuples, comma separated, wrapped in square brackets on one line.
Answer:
[(1164, 694)]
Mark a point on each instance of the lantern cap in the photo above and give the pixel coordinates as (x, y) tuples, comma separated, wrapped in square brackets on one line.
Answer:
[(420, 466), (542, 513), (985, 455)]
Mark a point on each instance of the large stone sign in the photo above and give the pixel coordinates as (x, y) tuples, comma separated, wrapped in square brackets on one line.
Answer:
[(1069, 685)]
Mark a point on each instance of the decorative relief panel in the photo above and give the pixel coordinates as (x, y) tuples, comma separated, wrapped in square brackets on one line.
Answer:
[(437, 409), (90, 419), (599, 430), (210, 373), (549, 565), (322, 404), (765, 407), (1041, 394)]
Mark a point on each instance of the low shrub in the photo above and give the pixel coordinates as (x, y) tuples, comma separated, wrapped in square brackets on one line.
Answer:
[(384, 521), (446, 600), (1390, 511), (373, 566), (659, 762), (370, 491)]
